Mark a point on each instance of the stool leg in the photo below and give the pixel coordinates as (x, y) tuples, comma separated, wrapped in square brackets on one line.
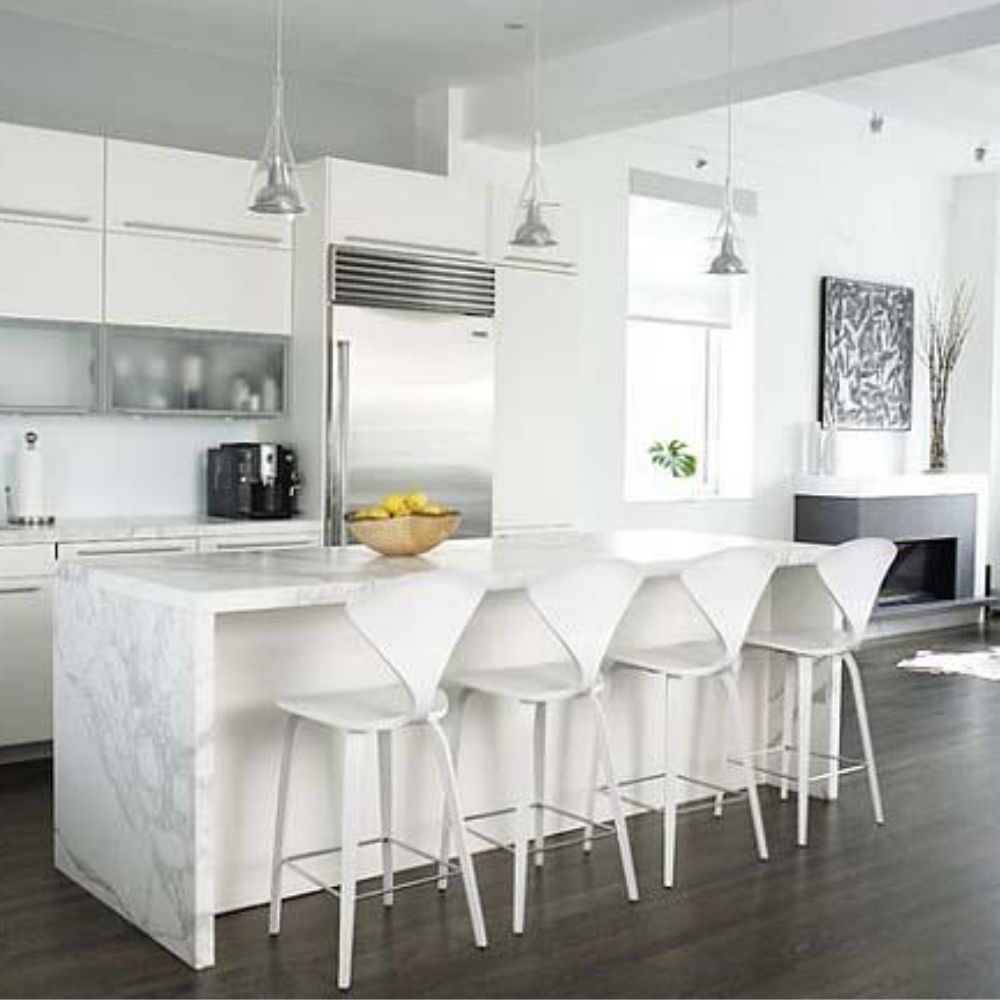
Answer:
[(277, 868), (624, 846), (805, 746), (730, 680), (787, 720), (453, 727), (669, 795), (540, 717), (350, 824), (866, 736), (446, 769), (592, 787), (717, 808), (385, 811), (522, 815)]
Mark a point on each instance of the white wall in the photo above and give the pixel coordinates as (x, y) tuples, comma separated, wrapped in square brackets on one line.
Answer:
[(817, 214), (122, 466)]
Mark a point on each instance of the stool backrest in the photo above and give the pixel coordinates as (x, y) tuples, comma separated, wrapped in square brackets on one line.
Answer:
[(853, 573), (727, 587), (583, 606), (414, 622)]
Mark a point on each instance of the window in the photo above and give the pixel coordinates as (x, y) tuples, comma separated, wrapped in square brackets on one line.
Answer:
[(687, 360)]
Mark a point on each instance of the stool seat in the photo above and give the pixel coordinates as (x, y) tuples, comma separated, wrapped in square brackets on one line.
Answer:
[(814, 642), (541, 682), (366, 710), (681, 659)]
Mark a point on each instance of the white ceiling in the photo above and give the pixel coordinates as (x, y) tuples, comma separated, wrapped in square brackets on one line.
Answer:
[(406, 46), (955, 99)]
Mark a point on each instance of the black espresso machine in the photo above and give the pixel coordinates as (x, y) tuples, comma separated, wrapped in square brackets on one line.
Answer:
[(252, 481)]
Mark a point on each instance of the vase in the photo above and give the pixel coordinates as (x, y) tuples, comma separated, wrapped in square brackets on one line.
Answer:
[(938, 457)]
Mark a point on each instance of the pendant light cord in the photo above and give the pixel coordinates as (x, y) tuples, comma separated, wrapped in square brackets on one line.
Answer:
[(536, 60), (729, 106), (279, 45)]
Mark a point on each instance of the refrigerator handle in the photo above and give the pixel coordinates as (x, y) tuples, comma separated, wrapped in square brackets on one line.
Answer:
[(340, 459)]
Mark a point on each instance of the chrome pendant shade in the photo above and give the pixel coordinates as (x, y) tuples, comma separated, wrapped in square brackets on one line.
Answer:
[(728, 260), (274, 188), (533, 231)]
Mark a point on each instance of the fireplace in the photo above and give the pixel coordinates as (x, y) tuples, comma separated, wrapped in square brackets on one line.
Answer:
[(935, 534), (924, 570)]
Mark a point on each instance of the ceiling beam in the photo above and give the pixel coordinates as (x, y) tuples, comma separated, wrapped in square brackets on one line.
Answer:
[(781, 46)]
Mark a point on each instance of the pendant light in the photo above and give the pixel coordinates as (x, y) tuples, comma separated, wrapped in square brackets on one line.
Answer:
[(728, 260), (274, 189), (534, 231)]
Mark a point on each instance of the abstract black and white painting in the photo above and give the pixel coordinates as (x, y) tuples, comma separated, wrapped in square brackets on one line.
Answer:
[(866, 355)]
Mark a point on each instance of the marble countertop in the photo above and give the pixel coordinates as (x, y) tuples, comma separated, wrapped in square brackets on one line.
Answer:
[(72, 530), (247, 581)]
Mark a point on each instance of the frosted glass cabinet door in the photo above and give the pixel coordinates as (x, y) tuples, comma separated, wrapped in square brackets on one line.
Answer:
[(201, 285), (48, 366)]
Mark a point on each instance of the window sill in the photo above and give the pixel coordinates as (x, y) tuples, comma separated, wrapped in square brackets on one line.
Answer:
[(698, 498)]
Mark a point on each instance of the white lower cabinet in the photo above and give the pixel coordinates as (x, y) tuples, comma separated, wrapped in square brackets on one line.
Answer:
[(26, 574), (197, 285)]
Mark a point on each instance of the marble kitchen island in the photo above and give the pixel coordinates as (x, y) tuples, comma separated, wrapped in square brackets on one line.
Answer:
[(167, 742)]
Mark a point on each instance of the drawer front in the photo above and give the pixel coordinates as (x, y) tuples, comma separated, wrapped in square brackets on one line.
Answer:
[(132, 549), (257, 543), (187, 284), (27, 560), (26, 677)]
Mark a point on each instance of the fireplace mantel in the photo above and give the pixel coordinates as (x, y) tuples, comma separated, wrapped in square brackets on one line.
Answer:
[(912, 485)]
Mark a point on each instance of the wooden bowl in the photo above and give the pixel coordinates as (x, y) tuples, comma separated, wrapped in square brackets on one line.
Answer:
[(408, 535)]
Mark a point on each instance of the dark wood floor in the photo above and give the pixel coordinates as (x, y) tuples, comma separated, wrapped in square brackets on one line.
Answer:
[(909, 910)]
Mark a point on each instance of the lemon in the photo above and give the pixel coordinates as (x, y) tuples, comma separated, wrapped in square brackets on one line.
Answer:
[(434, 508), (394, 504), (377, 514), (417, 501)]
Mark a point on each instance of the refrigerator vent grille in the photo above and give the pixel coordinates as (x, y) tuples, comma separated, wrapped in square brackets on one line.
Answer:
[(382, 279)]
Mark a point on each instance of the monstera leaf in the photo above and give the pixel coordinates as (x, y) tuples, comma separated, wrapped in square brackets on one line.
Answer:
[(673, 457)]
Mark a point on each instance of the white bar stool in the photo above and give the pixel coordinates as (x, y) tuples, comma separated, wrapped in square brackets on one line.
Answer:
[(582, 607), (726, 587), (414, 624), (852, 574)]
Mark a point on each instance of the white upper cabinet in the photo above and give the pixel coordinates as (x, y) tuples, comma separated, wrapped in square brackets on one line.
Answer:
[(406, 211), (197, 284), (174, 192), (51, 216), (506, 211), (51, 177), (538, 349)]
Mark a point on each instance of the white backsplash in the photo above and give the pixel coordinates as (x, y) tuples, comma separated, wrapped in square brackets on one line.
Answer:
[(123, 466)]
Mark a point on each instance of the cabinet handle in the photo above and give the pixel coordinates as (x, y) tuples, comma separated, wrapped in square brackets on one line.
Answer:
[(226, 234), (538, 261), (5, 591), (43, 215), (242, 546), (409, 245), (159, 550)]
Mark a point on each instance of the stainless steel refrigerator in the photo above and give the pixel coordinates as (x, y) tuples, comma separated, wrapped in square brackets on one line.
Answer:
[(411, 388)]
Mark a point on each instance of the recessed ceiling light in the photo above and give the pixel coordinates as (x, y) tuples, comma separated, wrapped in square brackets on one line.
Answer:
[(514, 26)]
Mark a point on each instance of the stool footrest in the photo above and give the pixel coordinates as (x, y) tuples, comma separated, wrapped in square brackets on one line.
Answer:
[(845, 765), (602, 830), (293, 862)]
